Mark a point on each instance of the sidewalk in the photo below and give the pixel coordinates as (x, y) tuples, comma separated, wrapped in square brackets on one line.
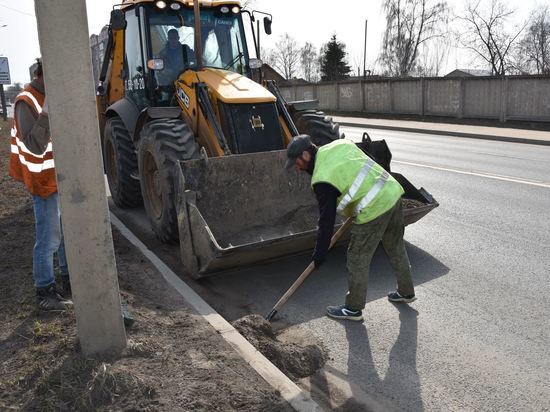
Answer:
[(459, 130)]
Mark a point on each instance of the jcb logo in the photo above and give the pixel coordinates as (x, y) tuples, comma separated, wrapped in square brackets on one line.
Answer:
[(183, 97)]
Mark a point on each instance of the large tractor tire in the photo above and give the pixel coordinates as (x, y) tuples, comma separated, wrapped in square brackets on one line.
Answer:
[(317, 125), (121, 167), (163, 143)]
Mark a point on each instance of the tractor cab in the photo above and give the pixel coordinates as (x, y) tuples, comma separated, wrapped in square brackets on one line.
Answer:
[(172, 34), (160, 45)]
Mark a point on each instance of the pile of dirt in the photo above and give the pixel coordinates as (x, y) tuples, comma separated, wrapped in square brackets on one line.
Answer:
[(294, 360), (174, 359)]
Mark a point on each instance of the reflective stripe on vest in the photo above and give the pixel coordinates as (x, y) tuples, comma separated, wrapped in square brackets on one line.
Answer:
[(19, 147), (372, 193), (33, 167), (37, 106), (355, 186)]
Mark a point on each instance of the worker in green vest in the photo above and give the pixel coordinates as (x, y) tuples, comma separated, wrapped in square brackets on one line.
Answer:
[(347, 181)]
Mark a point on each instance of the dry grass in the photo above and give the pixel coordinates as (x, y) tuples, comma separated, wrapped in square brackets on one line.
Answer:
[(65, 380), (5, 126)]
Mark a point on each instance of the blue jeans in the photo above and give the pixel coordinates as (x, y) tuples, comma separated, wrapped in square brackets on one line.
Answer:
[(49, 240)]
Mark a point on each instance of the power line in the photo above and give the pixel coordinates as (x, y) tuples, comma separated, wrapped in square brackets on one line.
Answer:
[(18, 11)]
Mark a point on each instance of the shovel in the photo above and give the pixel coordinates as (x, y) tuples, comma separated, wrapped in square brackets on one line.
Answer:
[(306, 272)]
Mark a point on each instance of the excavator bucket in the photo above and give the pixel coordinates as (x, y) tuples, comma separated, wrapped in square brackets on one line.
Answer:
[(241, 209)]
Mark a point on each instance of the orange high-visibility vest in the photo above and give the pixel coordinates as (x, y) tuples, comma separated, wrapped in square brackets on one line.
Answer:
[(37, 172)]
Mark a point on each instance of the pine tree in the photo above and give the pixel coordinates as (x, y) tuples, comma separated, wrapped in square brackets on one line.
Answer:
[(333, 61)]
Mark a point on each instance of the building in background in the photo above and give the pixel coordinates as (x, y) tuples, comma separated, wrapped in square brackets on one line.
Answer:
[(469, 73), (98, 43)]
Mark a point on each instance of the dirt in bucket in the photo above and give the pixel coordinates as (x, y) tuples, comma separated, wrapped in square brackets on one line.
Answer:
[(294, 359), (411, 203)]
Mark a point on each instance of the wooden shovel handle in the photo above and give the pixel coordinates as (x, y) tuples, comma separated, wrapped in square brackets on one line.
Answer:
[(310, 268)]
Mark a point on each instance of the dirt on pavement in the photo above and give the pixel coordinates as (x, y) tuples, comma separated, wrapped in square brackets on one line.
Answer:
[(293, 359), (174, 359)]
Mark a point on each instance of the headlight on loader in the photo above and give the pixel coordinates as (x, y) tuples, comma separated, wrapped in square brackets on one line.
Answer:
[(155, 64)]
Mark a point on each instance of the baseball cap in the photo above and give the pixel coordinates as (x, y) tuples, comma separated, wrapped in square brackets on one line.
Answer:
[(297, 145)]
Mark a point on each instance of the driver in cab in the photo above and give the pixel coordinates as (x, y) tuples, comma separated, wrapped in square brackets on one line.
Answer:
[(176, 57)]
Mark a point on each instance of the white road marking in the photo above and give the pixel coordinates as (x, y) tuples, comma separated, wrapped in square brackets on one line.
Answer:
[(481, 174)]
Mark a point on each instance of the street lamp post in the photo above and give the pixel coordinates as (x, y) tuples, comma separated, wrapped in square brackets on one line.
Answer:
[(365, 52), (2, 95), (3, 103)]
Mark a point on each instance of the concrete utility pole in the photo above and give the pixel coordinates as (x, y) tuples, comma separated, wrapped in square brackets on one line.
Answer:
[(63, 35), (4, 79)]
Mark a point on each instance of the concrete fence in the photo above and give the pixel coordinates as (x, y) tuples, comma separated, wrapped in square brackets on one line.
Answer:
[(503, 98), (525, 98)]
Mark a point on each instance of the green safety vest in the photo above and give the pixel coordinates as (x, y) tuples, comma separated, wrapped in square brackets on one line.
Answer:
[(367, 190)]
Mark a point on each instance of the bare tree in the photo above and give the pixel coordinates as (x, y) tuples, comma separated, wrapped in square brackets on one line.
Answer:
[(357, 60), (286, 56), (533, 55), (309, 59), (12, 91), (433, 57), (268, 56), (409, 24), (488, 35)]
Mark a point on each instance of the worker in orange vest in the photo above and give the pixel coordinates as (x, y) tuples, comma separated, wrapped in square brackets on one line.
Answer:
[(32, 163)]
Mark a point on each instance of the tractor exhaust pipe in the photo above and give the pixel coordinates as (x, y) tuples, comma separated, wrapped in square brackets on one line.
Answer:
[(198, 43)]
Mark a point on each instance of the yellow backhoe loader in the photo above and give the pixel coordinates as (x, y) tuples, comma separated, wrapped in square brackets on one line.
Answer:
[(189, 134)]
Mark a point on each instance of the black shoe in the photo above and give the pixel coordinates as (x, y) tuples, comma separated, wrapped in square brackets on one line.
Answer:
[(341, 312), (62, 296), (49, 300), (398, 297)]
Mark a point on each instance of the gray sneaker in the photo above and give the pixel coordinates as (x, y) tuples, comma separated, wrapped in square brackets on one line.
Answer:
[(397, 297), (341, 312), (49, 300)]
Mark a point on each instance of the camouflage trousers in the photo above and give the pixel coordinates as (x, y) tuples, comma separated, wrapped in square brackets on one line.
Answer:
[(388, 229)]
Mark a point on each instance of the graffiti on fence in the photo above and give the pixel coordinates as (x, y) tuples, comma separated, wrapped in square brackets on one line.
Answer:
[(286, 94), (346, 92)]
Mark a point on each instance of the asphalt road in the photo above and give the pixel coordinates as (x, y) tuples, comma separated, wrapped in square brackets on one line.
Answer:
[(478, 336)]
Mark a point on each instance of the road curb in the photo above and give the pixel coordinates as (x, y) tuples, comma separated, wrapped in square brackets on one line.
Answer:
[(298, 399), (449, 133)]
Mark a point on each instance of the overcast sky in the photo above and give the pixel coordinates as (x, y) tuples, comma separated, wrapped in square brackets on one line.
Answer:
[(313, 21)]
